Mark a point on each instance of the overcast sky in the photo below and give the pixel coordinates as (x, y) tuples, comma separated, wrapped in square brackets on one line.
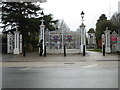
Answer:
[(70, 11)]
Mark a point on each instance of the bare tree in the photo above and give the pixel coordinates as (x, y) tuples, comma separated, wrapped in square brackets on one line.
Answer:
[(116, 19), (62, 26)]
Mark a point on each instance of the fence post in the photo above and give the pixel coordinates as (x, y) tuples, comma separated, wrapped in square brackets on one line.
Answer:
[(64, 50), (103, 50)]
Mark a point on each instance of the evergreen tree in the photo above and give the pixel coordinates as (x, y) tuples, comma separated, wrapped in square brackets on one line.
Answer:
[(26, 16), (101, 25)]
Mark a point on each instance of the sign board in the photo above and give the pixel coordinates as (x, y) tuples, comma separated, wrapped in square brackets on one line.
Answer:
[(113, 38), (56, 37), (69, 37)]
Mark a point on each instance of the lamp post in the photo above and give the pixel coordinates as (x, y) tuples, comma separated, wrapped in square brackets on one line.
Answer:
[(82, 15), (83, 36), (41, 37)]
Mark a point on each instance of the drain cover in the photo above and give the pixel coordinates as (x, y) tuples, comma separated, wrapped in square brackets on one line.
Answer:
[(69, 63)]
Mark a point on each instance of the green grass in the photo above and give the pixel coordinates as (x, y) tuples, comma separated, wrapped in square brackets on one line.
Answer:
[(95, 50)]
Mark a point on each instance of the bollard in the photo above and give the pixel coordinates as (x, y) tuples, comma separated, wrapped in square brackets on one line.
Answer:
[(45, 51), (118, 52), (64, 51), (41, 47), (83, 50), (103, 50), (24, 54)]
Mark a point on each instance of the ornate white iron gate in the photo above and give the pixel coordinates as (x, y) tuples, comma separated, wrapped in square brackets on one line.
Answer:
[(56, 40)]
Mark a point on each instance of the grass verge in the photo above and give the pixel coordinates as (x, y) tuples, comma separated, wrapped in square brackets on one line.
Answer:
[(95, 50)]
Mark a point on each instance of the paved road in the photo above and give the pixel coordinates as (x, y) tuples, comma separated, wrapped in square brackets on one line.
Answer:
[(85, 74), (57, 71)]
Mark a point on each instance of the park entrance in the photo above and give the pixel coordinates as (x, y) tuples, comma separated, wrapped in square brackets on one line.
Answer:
[(57, 40)]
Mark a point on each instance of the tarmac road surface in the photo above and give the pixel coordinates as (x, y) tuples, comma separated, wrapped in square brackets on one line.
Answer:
[(91, 74)]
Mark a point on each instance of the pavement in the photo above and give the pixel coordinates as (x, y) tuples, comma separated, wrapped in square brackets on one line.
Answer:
[(56, 71), (34, 57)]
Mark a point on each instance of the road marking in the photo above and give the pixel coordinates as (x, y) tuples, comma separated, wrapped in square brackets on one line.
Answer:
[(25, 68), (90, 66)]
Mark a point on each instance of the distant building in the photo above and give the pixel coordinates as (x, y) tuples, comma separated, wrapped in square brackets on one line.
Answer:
[(119, 7), (91, 39)]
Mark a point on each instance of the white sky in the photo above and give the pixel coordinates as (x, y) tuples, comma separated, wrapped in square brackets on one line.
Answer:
[(70, 11)]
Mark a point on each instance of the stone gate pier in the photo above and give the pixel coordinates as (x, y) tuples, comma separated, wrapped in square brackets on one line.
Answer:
[(14, 42)]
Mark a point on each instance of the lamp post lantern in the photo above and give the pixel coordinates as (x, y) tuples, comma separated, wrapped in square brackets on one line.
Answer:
[(82, 36), (82, 15)]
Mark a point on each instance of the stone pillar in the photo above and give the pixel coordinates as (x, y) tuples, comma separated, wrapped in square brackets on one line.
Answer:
[(16, 42), (103, 40), (107, 41), (94, 39), (82, 37), (9, 42), (42, 27), (88, 38), (20, 43), (91, 39)]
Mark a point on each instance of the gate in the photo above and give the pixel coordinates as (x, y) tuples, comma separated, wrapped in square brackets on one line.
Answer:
[(55, 41)]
